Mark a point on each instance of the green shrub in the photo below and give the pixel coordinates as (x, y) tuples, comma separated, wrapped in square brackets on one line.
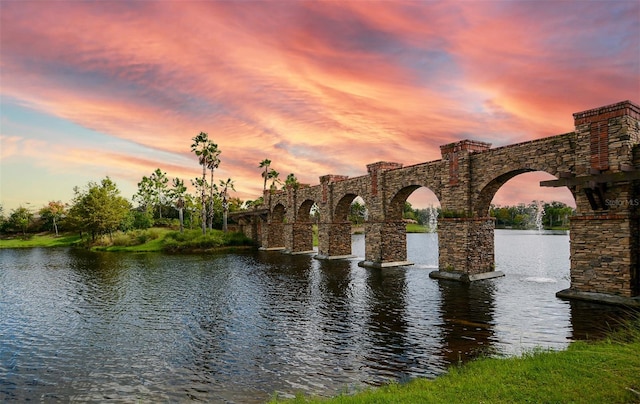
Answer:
[(194, 239), (121, 239), (135, 237)]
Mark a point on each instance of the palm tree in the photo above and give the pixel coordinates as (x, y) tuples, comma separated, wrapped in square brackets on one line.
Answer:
[(159, 181), (224, 186), (212, 164), (201, 148), (273, 174), (177, 195), (265, 174), (292, 181), (201, 186)]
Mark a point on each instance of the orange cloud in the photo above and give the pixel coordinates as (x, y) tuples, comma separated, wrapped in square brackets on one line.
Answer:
[(316, 87)]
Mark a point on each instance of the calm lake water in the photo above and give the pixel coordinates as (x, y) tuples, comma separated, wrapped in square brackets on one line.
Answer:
[(85, 326)]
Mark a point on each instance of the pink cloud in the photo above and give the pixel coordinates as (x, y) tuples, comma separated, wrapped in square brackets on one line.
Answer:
[(10, 146), (317, 87)]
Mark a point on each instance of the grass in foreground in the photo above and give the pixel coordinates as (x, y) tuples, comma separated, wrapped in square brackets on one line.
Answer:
[(607, 371)]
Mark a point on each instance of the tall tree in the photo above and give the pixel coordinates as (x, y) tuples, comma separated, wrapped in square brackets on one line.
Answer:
[(145, 198), (200, 147), (177, 196), (20, 218), (53, 212), (159, 182), (201, 186), (213, 164), (99, 209), (224, 188), (291, 181), (265, 174), (273, 175), (191, 207)]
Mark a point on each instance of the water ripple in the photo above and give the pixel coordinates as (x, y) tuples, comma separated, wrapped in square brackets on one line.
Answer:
[(90, 327)]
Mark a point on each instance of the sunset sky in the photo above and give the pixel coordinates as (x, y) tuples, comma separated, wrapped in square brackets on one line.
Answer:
[(119, 88)]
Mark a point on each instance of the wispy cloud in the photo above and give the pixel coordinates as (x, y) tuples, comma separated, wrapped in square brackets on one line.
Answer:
[(317, 87)]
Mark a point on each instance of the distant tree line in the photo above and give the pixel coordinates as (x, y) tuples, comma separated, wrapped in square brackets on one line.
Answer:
[(521, 216), (98, 209), (554, 215)]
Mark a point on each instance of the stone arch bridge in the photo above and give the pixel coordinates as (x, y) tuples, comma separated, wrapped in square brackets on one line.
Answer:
[(599, 162)]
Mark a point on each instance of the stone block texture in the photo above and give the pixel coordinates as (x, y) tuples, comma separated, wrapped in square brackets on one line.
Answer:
[(599, 163)]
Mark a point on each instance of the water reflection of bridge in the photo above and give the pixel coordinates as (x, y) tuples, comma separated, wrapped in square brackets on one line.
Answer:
[(599, 162)]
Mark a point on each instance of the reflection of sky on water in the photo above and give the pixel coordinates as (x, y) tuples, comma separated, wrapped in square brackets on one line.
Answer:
[(238, 327)]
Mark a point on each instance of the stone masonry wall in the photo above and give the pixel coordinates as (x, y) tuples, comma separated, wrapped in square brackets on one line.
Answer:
[(600, 254), (604, 245), (334, 239), (302, 237), (491, 169), (466, 245), (394, 241), (386, 242), (275, 235), (604, 239)]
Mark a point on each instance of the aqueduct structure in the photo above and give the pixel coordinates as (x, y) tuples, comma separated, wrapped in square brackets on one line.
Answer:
[(599, 162)]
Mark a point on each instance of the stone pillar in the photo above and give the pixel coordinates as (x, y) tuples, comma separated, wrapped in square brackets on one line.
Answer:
[(604, 254), (465, 241), (604, 233), (334, 240), (287, 231), (334, 233), (301, 234), (273, 236), (466, 249), (256, 230), (385, 235), (385, 244)]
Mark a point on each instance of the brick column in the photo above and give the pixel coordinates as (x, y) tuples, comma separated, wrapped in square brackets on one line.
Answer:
[(334, 240), (273, 236), (603, 254), (385, 244), (466, 249), (605, 246), (301, 241)]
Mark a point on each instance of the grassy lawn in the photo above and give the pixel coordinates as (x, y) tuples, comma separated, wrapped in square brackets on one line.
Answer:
[(607, 371), (153, 245), (417, 228), (41, 240), (149, 240)]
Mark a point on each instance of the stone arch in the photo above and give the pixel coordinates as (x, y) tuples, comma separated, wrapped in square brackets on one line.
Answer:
[(342, 208), (483, 201), (334, 231), (395, 224), (395, 208), (304, 211), (299, 229), (396, 205), (274, 238), (278, 213)]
